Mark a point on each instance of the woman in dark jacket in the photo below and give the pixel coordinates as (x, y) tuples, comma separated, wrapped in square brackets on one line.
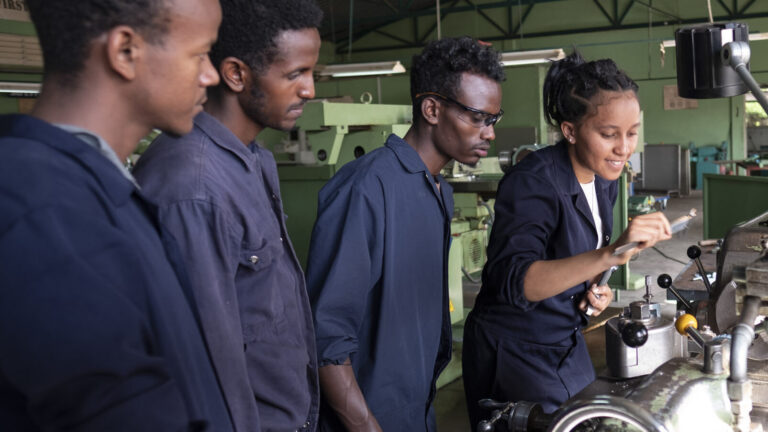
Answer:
[(550, 243)]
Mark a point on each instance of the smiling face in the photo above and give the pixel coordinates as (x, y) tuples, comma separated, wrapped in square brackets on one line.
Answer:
[(280, 92), (457, 135), (601, 143)]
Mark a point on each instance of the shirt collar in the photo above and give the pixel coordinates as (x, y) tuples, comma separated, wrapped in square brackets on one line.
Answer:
[(224, 138), (101, 145), (27, 127), (406, 154)]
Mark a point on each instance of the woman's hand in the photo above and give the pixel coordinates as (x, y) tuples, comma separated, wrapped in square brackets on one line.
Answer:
[(646, 230), (598, 297)]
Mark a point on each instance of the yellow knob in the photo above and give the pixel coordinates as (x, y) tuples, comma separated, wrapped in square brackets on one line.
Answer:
[(684, 322)]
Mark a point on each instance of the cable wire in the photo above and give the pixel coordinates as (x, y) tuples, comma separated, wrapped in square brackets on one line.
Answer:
[(468, 276), (667, 256)]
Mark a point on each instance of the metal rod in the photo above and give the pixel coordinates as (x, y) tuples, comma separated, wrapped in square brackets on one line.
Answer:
[(754, 87), (703, 274), (681, 299), (351, 22), (607, 275), (437, 17), (696, 336)]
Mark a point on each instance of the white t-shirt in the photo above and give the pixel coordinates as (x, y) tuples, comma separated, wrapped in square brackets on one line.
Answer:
[(591, 194)]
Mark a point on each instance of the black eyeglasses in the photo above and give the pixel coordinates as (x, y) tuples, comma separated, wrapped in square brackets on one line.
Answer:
[(477, 118)]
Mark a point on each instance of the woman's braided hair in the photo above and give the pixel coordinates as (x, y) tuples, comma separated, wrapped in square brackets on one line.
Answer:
[(572, 82)]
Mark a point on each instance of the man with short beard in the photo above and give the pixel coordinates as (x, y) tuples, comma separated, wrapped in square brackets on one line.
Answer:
[(218, 193)]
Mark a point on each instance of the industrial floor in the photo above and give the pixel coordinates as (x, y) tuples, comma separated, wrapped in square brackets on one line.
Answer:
[(668, 257)]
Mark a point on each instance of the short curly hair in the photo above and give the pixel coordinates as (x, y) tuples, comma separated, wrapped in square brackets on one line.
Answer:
[(249, 28), (65, 30), (439, 66), (572, 82)]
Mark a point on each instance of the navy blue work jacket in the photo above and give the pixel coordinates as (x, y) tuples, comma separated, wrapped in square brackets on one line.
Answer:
[(96, 329), (541, 214), (377, 280), (221, 200)]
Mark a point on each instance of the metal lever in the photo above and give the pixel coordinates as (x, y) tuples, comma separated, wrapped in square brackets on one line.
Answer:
[(518, 416), (686, 325), (501, 412), (675, 227), (665, 281), (694, 253)]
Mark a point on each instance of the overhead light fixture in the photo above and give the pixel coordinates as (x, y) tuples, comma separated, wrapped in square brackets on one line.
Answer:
[(754, 37), (518, 58), (360, 69), (19, 88)]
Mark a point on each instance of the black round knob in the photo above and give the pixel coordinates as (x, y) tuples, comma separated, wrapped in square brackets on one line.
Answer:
[(664, 280), (693, 252), (634, 334)]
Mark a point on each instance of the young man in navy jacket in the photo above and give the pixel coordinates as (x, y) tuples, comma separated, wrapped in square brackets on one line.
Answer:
[(97, 328), (219, 195), (377, 270)]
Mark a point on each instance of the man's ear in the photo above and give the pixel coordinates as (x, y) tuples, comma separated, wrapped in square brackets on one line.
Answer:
[(234, 74), (124, 49), (430, 110)]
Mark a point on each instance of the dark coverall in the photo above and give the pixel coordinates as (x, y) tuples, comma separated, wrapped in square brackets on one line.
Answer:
[(377, 279), (515, 349)]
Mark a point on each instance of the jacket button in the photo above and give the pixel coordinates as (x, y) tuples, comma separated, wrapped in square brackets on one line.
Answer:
[(254, 259)]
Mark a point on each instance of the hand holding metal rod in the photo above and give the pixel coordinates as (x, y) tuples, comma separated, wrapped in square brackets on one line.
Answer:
[(676, 226), (603, 281)]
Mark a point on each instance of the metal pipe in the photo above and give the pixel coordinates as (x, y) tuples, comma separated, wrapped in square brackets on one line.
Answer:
[(737, 55), (578, 410), (742, 336)]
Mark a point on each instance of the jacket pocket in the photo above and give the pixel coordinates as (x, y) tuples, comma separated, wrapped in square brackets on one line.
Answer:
[(262, 306)]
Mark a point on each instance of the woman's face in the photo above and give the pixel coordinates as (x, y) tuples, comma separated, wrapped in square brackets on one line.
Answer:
[(601, 143)]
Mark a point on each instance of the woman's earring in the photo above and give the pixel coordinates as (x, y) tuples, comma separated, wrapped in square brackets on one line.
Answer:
[(570, 139)]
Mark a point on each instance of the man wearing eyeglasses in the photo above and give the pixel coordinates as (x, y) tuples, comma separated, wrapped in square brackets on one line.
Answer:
[(377, 267)]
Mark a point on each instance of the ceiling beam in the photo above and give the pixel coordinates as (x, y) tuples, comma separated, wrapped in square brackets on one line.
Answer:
[(487, 18), (747, 6), (528, 9), (661, 23), (434, 25), (726, 8), (626, 11), (391, 6), (605, 12), (659, 11)]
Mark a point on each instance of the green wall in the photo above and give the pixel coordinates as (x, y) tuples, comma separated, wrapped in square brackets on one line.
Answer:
[(635, 50)]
